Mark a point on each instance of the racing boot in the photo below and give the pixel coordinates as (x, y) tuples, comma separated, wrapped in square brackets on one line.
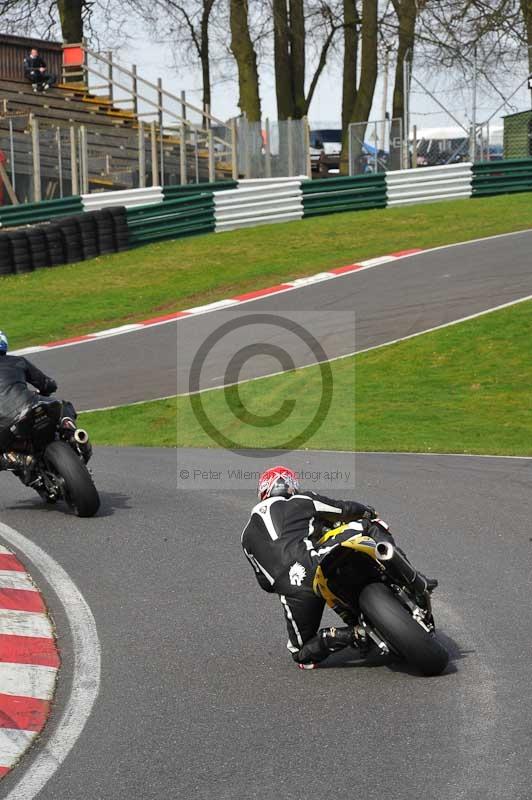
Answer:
[(326, 641)]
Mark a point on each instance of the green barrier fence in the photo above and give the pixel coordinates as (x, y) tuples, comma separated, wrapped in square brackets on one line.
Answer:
[(171, 219), (502, 177), (332, 195), (32, 213), (175, 192)]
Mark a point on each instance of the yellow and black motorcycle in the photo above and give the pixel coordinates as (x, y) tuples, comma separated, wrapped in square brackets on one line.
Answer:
[(369, 580)]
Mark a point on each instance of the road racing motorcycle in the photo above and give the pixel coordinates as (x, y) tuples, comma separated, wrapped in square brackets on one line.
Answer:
[(369, 580), (54, 456)]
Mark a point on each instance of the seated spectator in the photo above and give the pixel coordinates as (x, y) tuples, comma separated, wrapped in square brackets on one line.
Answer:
[(36, 72)]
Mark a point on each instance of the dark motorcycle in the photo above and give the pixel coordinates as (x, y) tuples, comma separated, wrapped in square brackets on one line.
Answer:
[(50, 455), (373, 583)]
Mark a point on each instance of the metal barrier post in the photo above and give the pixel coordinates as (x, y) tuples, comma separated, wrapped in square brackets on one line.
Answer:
[(59, 160), (267, 149), (234, 149), (210, 143), (307, 147), (12, 155), (74, 161), (160, 116), (154, 165), (414, 147), (290, 147), (196, 155), (84, 159), (135, 89), (110, 74), (142, 156), (36, 154), (183, 142)]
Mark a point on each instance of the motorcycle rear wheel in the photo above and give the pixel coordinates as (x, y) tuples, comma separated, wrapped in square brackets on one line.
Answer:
[(419, 648), (80, 492)]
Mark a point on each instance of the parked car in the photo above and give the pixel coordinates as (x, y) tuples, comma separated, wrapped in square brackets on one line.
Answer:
[(325, 149)]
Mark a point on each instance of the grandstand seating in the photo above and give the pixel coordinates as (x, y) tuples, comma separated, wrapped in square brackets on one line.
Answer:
[(112, 137)]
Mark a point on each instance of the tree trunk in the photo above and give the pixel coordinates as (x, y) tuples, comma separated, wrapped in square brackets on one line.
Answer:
[(349, 87), (526, 10), (70, 14), (406, 11), (297, 57), (368, 79), (282, 60), (246, 59), (204, 57)]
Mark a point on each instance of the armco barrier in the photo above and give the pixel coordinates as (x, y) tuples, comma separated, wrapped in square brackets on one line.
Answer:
[(258, 205), (126, 197), (185, 190), (172, 219), (429, 184), (332, 195), (502, 177), (32, 213)]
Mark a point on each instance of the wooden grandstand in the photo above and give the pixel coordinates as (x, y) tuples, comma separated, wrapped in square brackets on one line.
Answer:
[(111, 147)]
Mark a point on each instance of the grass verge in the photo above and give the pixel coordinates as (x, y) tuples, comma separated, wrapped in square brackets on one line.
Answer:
[(169, 276), (463, 389)]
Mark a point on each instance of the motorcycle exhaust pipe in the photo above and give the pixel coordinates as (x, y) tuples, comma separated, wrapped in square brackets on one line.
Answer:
[(400, 567), (81, 436)]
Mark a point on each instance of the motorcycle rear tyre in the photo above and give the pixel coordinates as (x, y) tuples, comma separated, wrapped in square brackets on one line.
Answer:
[(82, 495), (419, 648)]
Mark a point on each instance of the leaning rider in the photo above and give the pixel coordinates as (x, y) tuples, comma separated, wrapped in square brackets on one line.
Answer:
[(15, 374), (279, 540)]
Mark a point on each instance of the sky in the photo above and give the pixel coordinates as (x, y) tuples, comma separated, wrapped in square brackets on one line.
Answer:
[(154, 60)]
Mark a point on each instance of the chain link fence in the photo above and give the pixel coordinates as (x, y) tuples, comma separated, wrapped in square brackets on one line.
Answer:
[(272, 150)]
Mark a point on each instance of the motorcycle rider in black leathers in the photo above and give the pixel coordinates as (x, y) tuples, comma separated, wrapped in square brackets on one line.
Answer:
[(280, 541), (15, 374)]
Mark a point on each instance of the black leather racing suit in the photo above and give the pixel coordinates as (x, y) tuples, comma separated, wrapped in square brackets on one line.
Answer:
[(15, 374), (280, 541)]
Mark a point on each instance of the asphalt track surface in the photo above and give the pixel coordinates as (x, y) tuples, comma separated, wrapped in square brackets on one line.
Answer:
[(350, 313), (200, 699)]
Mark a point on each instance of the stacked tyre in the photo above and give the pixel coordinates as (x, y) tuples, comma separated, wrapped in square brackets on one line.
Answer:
[(6, 262), (65, 241)]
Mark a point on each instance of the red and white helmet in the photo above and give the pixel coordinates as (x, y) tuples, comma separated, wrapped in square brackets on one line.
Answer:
[(277, 482)]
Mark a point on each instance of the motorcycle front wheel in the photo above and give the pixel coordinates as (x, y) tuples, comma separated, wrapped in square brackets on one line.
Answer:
[(79, 491), (418, 647)]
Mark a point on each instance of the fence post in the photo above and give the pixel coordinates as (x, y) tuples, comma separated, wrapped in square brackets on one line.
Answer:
[(84, 159), (160, 115), (154, 165), (59, 160), (244, 141), (4, 178), (350, 151), (196, 156), (234, 148), (183, 142), (36, 154), (135, 89), (212, 169), (414, 146), (473, 139), (406, 110), (12, 155), (307, 148), (74, 162), (110, 74), (142, 157), (290, 147), (267, 149)]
